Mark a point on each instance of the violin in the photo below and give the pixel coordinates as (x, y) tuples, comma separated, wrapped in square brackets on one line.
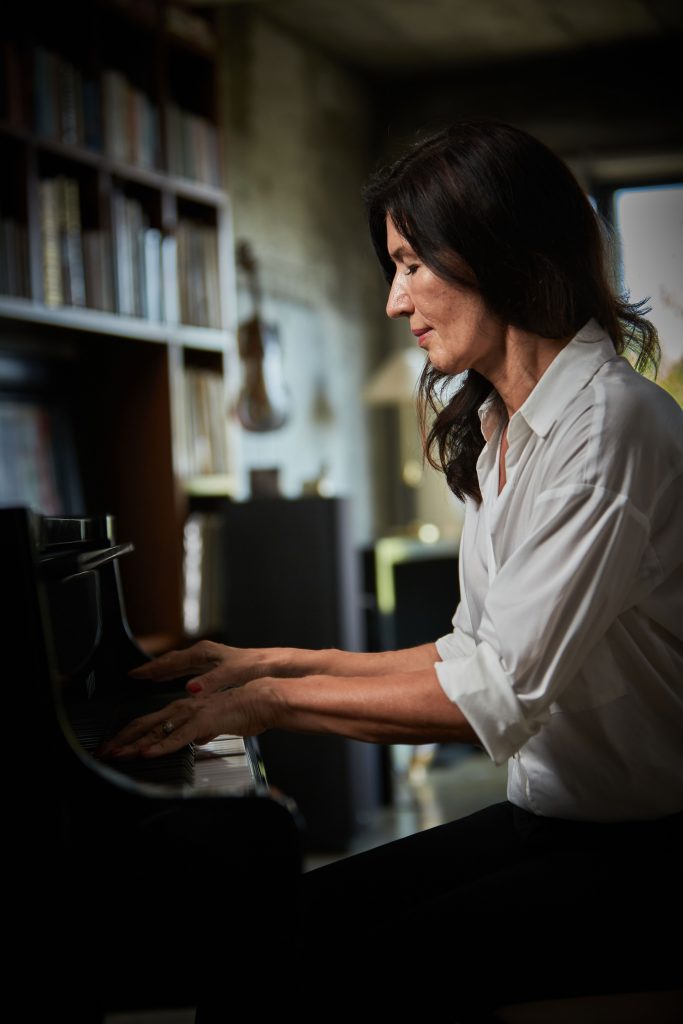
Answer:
[(263, 402)]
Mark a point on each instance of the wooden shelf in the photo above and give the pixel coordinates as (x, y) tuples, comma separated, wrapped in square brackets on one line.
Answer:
[(124, 252), (186, 188), (95, 322)]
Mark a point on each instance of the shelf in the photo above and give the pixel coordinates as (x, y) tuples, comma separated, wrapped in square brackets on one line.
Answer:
[(93, 321), (111, 198), (185, 188)]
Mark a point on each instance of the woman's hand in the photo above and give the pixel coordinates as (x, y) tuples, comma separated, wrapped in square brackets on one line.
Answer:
[(211, 666), (243, 712)]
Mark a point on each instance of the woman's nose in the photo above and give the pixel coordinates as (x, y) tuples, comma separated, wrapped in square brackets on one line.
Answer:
[(399, 302)]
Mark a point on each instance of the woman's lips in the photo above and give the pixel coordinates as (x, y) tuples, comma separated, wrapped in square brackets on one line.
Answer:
[(421, 334)]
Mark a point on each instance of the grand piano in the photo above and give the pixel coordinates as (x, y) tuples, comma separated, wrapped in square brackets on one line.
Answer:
[(135, 885)]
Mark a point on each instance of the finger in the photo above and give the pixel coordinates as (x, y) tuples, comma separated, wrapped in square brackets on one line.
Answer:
[(209, 682), (151, 724), (161, 732), (155, 737), (156, 743), (199, 727), (132, 732), (174, 664)]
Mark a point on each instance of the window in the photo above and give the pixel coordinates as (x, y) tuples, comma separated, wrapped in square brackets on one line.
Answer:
[(649, 222)]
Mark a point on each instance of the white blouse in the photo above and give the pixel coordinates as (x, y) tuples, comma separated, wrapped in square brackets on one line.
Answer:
[(566, 654)]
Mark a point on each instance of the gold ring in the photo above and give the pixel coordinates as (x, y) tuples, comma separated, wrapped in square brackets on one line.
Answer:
[(167, 728)]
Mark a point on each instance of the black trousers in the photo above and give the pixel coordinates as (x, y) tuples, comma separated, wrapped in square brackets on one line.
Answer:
[(498, 907)]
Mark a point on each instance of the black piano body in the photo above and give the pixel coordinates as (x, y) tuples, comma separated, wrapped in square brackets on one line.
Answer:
[(134, 885)]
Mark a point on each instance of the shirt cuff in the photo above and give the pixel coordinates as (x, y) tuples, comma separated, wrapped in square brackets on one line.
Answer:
[(455, 644), (478, 684)]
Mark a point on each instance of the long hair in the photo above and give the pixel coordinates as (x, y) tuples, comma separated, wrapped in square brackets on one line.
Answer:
[(494, 198)]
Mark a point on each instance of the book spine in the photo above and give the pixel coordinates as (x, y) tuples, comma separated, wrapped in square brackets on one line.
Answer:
[(192, 146), (13, 258), (92, 114), (123, 258), (51, 259), (74, 242), (152, 260), (45, 92), (170, 280), (114, 101), (70, 103)]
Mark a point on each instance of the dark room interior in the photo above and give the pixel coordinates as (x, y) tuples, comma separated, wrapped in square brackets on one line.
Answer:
[(207, 422)]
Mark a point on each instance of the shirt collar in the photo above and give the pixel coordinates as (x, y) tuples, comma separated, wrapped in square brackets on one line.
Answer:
[(570, 371)]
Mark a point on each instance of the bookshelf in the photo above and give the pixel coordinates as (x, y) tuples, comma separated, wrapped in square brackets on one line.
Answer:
[(116, 275)]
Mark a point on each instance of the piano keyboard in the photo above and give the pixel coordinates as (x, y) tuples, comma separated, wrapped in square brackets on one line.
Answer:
[(223, 764), (221, 767)]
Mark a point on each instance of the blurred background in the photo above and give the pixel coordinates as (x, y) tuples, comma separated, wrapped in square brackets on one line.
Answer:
[(192, 327)]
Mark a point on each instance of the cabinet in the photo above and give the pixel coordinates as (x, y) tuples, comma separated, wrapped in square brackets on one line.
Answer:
[(117, 331)]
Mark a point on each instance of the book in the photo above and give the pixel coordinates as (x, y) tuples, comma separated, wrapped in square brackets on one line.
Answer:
[(98, 270), (198, 283), (14, 277), (72, 242), (153, 274), (27, 459), (206, 416), (46, 92), (124, 256), (115, 122), (192, 146), (92, 117), (169, 276), (53, 294), (70, 101), (131, 121)]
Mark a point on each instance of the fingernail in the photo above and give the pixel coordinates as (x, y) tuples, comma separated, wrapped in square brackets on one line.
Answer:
[(194, 687)]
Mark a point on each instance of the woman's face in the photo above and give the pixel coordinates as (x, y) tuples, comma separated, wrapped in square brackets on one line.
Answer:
[(451, 322)]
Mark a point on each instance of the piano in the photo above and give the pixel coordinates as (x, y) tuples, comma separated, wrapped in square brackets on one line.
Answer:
[(141, 884)]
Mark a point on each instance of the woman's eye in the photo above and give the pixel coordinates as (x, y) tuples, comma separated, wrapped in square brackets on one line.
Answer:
[(411, 268)]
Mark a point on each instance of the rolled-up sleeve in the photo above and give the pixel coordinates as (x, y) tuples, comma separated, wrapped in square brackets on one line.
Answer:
[(583, 561), (486, 696)]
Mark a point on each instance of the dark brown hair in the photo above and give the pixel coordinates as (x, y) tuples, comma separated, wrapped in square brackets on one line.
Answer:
[(493, 196)]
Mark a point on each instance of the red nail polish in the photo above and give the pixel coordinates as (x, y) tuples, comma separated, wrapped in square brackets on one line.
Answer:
[(194, 687)]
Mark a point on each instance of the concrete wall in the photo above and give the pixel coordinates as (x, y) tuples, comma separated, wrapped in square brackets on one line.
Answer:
[(297, 147), (303, 132)]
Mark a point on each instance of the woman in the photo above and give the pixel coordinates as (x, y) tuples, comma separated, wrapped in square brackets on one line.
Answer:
[(566, 655)]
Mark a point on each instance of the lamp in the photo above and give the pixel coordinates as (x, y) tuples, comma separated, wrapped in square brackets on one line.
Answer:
[(395, 381)]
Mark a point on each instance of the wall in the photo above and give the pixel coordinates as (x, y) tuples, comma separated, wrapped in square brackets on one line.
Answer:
[(302, 134), (297, 151)]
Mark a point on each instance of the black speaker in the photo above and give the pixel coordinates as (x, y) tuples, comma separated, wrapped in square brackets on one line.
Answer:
[(292, 574), (293, 579)]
